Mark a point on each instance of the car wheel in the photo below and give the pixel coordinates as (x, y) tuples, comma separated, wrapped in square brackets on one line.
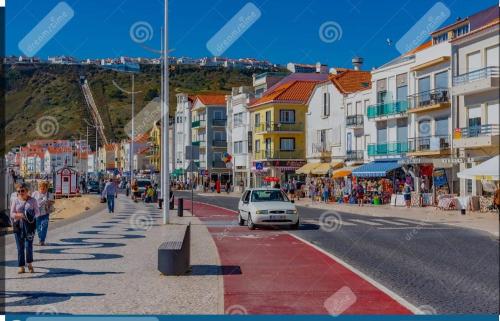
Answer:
[(250, 224), (296, 225), (241, 221)]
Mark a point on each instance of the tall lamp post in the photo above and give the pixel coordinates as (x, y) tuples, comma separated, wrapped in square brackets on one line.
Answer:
[(165, 121)]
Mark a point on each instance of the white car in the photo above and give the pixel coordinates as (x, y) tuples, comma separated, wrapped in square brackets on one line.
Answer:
[(267, 206)]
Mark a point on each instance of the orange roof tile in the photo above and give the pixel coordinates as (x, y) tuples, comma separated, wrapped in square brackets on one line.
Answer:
[(351, 81), (142, 138), (297, 91), (59, 150), (213, 99), (423, 46)]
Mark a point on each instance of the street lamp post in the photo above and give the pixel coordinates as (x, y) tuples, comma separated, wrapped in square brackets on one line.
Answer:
[(165, 113)]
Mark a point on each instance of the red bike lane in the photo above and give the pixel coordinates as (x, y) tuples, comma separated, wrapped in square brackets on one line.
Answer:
[(271, 272)]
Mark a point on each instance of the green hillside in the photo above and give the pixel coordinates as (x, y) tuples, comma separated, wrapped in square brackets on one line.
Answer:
[(54, 90)]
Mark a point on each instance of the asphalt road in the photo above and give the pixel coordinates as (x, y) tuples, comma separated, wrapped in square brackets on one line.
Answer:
[(439, 268)]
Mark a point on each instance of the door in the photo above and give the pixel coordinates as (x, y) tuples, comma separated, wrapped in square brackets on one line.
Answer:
[(349, 142), (268, 147), (244, 203), (474, 61)]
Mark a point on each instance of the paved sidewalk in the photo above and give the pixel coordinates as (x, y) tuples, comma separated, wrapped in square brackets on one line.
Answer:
[(107, 264), (272, 272), (486, 222)]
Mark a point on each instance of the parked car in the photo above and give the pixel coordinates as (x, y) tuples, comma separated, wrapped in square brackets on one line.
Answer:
[(267, 206), (93, 187), (142, 184)]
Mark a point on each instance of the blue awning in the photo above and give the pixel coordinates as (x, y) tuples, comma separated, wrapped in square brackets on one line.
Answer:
[(378, 168)]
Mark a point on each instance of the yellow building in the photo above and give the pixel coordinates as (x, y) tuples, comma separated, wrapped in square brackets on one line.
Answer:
[(154, 154), (278, 127)]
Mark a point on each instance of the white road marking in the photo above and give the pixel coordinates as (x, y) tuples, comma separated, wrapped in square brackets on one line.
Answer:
[(381, 287), (390, 222), (365, 222), (413, 221)]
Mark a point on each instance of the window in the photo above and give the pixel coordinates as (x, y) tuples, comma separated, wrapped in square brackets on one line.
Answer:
[(238, 147), (381, 133), (238, 120), (441, 38), (461, 30), (287, 116), (269, 196), (287, 144), (268, 117), (257, 119), (424, 128), (220, 136), (474, 116), (257, 146), (492, 57), (326, 104), (218, 114), (349, 109), (442, 126), (366, 104), (402, 87), (402, 130), (492, 112), (359, 108), (217, 156), (381, 97), (441, 80), (474, 61)]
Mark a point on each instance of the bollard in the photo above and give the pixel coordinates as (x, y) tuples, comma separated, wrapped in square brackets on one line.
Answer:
[(180, 207), (171, 203)]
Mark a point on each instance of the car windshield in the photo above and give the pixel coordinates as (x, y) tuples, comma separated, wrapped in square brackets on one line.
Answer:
[(143, 183), (269, 196)]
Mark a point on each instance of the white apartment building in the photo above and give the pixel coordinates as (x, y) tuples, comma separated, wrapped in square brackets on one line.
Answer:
[(326, 132), (356, 138), (182, 128), (57, 157), (475, 89), (238, 127)]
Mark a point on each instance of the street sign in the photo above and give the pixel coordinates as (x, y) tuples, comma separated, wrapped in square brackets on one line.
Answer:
[(259, 166)]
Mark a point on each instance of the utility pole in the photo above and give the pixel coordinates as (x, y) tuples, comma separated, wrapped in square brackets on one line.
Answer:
[(165, 113), (131, 156), (162, 123)]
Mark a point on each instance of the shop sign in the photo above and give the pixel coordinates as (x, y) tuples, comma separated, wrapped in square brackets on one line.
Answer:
[(440, 178)]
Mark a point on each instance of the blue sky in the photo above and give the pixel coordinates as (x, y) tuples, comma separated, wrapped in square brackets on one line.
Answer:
[(286, 31)]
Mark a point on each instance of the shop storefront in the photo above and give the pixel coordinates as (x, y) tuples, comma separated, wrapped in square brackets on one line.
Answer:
[(284, 170)]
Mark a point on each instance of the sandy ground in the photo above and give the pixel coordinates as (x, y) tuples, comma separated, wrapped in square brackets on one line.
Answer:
[(69, 207)]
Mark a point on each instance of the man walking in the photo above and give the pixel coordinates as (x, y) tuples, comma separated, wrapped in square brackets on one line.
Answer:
[(109, 193)]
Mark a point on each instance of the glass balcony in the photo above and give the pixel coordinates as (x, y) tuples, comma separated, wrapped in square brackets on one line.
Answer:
[(279, 127), (218, 164), (477, 131), (198, 123), (279, 154), (354, 155), (392, 148), (428, 99), (219, 143), (219, 122), (354, 120), (429, 143), (484, 73), (387, 109)]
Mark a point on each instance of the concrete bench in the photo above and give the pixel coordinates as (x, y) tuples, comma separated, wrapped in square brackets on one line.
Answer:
[(173, 254)]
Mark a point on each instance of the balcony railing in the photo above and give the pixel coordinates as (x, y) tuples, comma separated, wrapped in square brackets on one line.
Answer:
[(354, 120), (479, 74), (198, 123), (321, 148), (429, 98), (387, 109), (279, 127), (219, 122), (354, 155), (280, 154), (218, 164), (392, 148), (219, 143), (429, 143), (478, 131)]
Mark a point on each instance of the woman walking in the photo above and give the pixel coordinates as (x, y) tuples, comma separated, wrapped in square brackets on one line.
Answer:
[(23, 213), (44, 206), (407, 195)]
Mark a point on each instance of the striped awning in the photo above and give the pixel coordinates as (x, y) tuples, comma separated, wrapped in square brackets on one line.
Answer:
[(307, 168), (378, 168)]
